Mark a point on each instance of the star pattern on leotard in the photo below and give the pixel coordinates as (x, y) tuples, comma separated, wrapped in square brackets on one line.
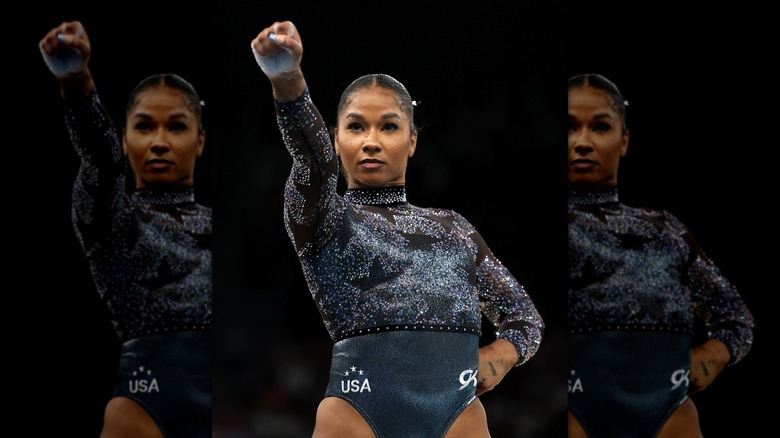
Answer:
[(142, 370), (353, 369)]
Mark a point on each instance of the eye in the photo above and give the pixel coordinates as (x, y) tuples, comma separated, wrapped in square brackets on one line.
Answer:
[(602, 127), (572, 127), (390, 127), (355, 126), (177, 127), (143, 126)]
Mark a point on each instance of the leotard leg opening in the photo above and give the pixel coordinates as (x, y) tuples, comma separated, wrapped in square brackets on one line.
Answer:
[(406, 384), (626, 384), (169, 376)]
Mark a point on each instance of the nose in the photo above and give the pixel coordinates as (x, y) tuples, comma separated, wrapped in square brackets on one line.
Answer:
[(582, 142), (371, 142), (160, 143)]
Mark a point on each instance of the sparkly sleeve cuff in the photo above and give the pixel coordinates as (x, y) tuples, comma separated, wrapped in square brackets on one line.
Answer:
[(525, 336), (294, 115), (738, 342), (89, 108), (91, 129)]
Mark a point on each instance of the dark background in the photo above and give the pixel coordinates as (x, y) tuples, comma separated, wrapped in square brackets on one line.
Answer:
[(702, 124), (488, 83)]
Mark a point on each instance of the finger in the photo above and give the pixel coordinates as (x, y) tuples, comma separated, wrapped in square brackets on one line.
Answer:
[(263, 45), (72, 28), (49, 43), (288, 43), (71, 31), (284, 28), (46, 46), (66, 39)]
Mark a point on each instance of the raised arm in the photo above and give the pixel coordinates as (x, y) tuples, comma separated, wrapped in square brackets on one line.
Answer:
[(100, 184), (310, 207)]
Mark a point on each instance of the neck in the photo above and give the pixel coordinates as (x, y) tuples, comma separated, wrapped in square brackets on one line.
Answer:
[(391, 195), (592, 195)]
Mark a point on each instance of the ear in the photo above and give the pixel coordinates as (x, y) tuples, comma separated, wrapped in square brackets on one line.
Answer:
[(413, 144), (624, 145), (124, 141), (201, 141), (336, 141)]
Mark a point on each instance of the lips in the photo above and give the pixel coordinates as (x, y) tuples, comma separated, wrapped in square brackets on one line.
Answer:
[(582, 164), (159, 164), (371, 163)]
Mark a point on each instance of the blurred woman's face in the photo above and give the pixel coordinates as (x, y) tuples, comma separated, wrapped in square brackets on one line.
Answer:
[(597, 139), (162, 138)]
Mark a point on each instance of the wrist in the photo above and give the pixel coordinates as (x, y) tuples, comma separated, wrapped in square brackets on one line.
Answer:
[(288, 87), (77, 86)]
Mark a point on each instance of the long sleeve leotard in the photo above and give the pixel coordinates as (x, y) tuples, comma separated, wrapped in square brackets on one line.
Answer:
[(374, 262), (641, 269), (150, 250)]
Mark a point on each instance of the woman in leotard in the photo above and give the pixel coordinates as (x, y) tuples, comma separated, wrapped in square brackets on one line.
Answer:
[(640, 288), (401, 289), (149, 248)]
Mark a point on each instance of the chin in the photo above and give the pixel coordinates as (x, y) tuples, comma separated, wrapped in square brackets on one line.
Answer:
[(585, 180), (369, 184), (164, 182)]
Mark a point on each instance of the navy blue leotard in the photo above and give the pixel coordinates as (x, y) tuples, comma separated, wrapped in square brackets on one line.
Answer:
[(401, 289), (639, 288), (149, 251)]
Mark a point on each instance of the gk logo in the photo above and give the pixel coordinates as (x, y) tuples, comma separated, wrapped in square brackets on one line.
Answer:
[(679, 377), (467, 377)]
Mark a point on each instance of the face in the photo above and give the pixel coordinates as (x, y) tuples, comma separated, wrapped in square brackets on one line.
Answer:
[(161, 139), (597, 139), (374, 139)]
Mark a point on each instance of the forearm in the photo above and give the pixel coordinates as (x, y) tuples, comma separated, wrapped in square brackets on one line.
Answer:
[(77, 87), (500, 355), (707, 361), (288, 87), (310, 192), (495, 361), (509, 307), (100, 183)]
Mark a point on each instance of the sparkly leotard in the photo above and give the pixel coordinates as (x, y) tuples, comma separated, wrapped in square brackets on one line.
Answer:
[(639, 285), (150, 256), (395, 283)]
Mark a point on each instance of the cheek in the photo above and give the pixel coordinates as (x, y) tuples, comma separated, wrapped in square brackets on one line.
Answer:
[(614, 154), (189, 149), (348, 146), (133, 149)]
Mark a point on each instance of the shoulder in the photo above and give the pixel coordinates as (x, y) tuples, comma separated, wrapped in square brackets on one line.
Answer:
[(458, 220), (435, 211), (203, 209), (650, 213)]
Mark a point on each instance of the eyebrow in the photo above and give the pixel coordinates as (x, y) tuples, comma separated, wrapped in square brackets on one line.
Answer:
[(383, 117), (171, 117), (598, 116), (602, 116)]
